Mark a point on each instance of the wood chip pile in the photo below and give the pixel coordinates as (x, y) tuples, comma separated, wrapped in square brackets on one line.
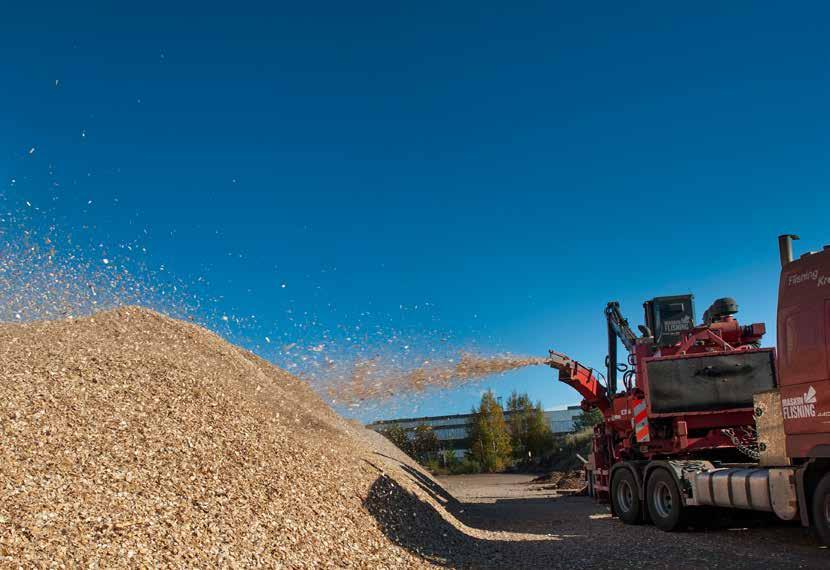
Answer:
[(131, 439)]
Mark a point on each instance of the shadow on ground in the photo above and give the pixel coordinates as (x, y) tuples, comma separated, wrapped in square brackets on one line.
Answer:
[(432, 488), (420, 528), (570, 532)]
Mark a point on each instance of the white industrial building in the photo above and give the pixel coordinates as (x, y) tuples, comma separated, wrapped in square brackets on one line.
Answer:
[(453, 431)]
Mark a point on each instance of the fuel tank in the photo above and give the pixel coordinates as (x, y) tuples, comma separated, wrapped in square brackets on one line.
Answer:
[(756, 489)]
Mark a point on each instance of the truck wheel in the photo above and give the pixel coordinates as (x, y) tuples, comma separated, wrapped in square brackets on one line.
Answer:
[(665, 506), (625, 493), (821, 509)]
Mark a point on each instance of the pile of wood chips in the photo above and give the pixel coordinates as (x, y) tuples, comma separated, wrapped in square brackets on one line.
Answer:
[(131, 439), (566, 480)]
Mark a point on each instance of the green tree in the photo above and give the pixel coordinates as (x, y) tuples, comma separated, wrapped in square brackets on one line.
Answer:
[(397, 435), (489, 435), (587, 419), (539, 436), (529, 431), (425, 444), (517, 418)]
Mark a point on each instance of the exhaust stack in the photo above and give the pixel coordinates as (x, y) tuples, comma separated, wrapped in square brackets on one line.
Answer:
[(785, 248)]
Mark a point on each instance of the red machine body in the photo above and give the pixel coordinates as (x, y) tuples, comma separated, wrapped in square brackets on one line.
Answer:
[(634, 429), (804, 349), (705, 417)]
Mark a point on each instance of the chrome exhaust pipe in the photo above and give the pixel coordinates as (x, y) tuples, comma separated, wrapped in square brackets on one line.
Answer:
[(785, 248)]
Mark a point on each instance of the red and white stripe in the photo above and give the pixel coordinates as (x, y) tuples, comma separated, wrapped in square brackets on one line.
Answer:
[(640, 422)]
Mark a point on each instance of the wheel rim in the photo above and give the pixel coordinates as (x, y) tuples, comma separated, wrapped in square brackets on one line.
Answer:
[(827, 509), (625, 496), (663, 502)]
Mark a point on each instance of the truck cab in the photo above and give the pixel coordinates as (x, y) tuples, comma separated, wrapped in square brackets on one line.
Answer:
[(804, 352), (804, 377)]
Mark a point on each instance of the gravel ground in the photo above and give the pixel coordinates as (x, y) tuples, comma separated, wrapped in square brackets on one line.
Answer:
[(575, 532)]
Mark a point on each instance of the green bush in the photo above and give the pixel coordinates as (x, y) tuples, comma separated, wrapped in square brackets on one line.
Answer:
[(466, 466), (434, 466), (565, 448)]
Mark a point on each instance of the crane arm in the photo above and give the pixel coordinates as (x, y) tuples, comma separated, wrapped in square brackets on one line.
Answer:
[(619, 325), (582, 379), (617, 329)]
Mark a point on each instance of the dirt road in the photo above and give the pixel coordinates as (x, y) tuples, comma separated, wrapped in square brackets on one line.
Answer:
[(574, 532)]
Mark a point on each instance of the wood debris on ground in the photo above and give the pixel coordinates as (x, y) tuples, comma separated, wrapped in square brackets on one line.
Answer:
[(569, 480)]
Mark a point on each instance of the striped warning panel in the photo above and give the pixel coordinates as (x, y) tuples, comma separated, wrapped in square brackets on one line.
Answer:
[(640, 422)]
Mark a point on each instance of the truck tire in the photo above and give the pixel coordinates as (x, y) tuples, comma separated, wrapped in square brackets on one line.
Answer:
[(665, 506), (625, 494), (820, 510)]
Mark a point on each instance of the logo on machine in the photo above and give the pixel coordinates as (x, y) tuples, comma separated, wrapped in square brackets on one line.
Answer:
[(800, 406), (677, 325), (797, 278)]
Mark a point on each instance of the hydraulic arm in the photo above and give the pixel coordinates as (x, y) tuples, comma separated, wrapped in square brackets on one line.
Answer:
[(617, 328)]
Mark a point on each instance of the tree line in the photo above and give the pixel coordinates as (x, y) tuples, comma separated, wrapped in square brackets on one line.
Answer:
[(499, 437)]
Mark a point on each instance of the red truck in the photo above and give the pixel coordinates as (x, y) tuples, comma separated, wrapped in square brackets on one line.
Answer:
[(700, 414)]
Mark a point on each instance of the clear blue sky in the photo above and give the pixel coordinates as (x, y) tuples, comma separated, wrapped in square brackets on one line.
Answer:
[(490, 173)]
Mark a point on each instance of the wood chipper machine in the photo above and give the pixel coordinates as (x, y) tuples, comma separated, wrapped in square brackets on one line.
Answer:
[(699, 414)]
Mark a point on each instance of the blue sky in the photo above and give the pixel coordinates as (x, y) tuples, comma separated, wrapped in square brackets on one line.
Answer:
[(456, 175)]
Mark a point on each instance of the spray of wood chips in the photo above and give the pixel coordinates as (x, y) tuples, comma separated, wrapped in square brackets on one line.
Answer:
[(370, 380)]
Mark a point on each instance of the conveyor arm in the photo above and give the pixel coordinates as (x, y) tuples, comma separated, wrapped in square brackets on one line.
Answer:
[(582, 379)]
